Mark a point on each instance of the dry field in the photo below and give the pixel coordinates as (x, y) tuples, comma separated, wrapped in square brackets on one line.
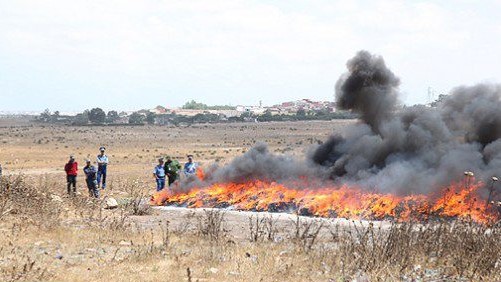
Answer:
[(47, 236), (133, 150)]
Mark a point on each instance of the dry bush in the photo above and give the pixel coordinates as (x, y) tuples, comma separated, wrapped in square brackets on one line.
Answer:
[(30, 203), (455, 250), (305, 232), (186, 224), (137, 201), (210, 224), (262, 228), (24, 268), (116, 221)]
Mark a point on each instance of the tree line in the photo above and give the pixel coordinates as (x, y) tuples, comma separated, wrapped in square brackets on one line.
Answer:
[(193, 105), (97, 116)]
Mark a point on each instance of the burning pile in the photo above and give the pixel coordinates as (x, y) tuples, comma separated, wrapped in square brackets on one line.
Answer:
[(459, 200), (403, 163)]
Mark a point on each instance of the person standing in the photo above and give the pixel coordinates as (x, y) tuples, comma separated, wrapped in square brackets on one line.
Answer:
[(71, 169), (159, 174), (102, 165), (172, 168), (190, 168), (90, 178)]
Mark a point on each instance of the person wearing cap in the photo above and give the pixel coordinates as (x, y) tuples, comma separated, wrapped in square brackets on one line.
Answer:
[(172, 168), (90, 178), (159, 174), (190, 168), (102, 164), (71, 169)]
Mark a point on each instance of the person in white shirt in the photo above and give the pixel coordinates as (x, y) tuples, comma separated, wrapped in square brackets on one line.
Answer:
[(102, 165)]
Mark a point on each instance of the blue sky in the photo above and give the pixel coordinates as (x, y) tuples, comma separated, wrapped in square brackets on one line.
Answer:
[(125, 55)]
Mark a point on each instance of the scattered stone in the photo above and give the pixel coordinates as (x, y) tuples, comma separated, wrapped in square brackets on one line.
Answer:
[(125, 243), (361, 278), (111, 203), (59, 256), (283, 253), (56, 198), (213, 270)]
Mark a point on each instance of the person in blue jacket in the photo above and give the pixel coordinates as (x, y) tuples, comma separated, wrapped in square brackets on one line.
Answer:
[(90, 178), (159, 174)]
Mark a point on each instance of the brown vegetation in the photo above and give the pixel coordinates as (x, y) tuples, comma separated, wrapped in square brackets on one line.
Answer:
[(48, 236)]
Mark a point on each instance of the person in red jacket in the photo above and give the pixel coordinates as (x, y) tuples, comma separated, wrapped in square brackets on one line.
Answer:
[(71, 169)]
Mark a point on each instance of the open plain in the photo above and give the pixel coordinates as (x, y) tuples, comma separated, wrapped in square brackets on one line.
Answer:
[(48, 236)]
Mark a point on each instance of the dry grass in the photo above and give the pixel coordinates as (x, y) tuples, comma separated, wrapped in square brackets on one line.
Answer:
[(133, 151), (48, 236), (102, 245)]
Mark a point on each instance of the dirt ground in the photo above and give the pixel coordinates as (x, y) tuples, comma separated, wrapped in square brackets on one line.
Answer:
[(133, 151), (46, 235)]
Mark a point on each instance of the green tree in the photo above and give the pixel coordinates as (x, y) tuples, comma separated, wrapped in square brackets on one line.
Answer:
[(55, 116), (136, 118), (266, 116), (82, 118), (301, 113), (150, 118), (112, 116), (45, 116), (192, 105), (97, 115)]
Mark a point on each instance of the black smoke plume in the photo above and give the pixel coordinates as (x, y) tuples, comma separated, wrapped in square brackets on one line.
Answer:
[(369, 88), (390, 149)]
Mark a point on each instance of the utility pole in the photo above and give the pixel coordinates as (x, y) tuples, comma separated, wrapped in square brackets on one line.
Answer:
[(431, 95)]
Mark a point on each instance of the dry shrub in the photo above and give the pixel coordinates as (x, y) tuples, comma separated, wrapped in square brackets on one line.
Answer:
[(306, 232), (137, 201), (186, 224), (210, 224), (24, 268), (30, 203), (262, 228), (456, 250)]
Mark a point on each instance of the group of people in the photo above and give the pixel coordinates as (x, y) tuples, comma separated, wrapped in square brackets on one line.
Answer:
[(168, 170), (95, 178)]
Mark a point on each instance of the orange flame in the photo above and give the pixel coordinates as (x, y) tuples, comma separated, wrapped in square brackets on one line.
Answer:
[(457, 201), (200, 173)]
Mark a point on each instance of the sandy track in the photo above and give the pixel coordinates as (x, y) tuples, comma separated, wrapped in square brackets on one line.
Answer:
[(237, 225)]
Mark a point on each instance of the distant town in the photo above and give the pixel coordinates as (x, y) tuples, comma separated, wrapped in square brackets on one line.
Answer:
[(193, 112)]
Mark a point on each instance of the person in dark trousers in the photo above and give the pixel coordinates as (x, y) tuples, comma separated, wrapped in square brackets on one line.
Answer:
[(159, 174), (102, 165), (90, 178), (71, 169), (172, 168)]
